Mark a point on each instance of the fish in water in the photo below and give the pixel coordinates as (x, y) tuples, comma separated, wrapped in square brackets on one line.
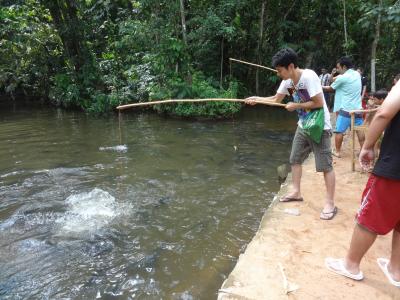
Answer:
[(145, 260), (163, 201)]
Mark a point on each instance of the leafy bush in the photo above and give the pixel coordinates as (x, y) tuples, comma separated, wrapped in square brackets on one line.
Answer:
[(201, 88), (101, 103), (65, 92)]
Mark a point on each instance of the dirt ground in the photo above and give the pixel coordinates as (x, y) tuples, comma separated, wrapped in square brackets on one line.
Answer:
[(298, 245)]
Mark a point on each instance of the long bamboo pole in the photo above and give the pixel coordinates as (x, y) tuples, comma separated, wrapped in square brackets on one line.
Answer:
[(121, 107), (251, 64)]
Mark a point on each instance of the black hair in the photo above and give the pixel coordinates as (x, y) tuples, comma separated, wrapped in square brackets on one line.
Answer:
[(381, 94), (345, 61), (284, 57), (361, 69)]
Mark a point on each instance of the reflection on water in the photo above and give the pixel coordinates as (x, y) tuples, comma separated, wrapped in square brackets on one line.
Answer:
[(145, 207)]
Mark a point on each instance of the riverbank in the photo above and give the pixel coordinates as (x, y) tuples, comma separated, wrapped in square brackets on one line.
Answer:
[(294, 247)]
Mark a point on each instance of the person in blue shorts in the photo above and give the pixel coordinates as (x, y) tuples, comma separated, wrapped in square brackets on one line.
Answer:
[(347, 88)]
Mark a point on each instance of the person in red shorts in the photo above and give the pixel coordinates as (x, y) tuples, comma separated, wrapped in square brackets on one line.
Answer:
[(379, 212)]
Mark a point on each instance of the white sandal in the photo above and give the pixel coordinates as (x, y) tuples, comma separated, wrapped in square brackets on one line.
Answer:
[(336, 265), (383, 264)]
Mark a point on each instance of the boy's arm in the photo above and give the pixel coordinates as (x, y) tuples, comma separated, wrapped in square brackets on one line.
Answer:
[(317, 101), (328, 88), (336, 81), (389, 108), (277, 98), (364, 90)]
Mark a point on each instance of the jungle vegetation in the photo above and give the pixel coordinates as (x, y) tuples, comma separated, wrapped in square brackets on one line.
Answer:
[(94, 55)]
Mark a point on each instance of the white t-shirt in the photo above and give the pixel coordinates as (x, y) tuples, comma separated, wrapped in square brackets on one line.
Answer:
[(308, 86)]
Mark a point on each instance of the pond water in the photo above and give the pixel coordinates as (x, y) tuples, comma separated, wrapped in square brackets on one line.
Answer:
[(132, 207)]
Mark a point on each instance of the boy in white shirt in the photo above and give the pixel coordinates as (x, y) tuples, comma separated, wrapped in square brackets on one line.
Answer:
[(305, 88)]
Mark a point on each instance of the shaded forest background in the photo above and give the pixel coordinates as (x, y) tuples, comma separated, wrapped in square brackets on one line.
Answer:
[(95, 55)]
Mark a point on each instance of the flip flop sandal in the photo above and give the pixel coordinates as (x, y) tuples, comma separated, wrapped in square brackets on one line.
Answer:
[(336, 265), (333, 212), (383, 264), (290, 199)]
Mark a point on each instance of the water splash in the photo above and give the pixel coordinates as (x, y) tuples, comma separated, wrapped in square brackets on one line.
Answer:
[(119, 148), (89, 212)]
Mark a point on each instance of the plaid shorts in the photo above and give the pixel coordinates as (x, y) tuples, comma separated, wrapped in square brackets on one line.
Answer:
[(303, 145)]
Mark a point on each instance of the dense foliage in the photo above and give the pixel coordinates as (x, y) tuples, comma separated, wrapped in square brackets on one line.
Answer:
[(95, 55)]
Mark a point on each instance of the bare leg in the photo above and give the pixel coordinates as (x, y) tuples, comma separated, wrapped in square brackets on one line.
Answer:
[(394, 263), (296, 178), (361, 138), (329, 178), (361, 241), (338, 142)]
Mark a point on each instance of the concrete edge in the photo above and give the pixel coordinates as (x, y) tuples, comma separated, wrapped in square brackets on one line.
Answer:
[(225, 293)]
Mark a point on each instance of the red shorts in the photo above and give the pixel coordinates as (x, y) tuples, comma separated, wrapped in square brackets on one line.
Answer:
[(380, 205)]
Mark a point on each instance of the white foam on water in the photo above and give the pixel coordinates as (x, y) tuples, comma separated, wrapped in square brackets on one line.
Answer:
[(89, 212), (8, 223), (118, 148), (11, 174)]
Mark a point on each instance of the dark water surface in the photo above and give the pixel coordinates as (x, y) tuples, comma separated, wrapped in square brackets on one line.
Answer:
[(142, 207)]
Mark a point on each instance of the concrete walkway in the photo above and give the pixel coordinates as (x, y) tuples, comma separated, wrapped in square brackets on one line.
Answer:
[(298, 245)]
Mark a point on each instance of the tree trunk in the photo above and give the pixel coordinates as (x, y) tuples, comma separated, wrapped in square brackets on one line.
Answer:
[(309, 59), (184, 35), (183, 20), (222, 62), (289, 10), (260, 40), (345, 27), (68, 25), (75, 34), (374, 46)]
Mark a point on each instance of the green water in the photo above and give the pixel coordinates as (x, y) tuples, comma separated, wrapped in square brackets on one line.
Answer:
[(137, 207)]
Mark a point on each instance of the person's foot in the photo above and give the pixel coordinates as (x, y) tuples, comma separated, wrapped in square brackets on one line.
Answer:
[(336, 153), (328, 215), (391, 275), (338, 266), (291, 197), (395, 275), (328, 212), (351, 266)]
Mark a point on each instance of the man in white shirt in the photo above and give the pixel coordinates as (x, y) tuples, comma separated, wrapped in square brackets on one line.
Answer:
[(305, 88)]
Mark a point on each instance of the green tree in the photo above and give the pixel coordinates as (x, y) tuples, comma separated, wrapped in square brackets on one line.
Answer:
[(94, 55)]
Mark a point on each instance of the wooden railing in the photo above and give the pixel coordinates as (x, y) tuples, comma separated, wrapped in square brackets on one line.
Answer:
[(354, 129)]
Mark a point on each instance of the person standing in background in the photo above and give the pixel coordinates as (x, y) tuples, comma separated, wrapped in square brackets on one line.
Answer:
[(364, 81), (325, 79), (347, 87), (332, 77)]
